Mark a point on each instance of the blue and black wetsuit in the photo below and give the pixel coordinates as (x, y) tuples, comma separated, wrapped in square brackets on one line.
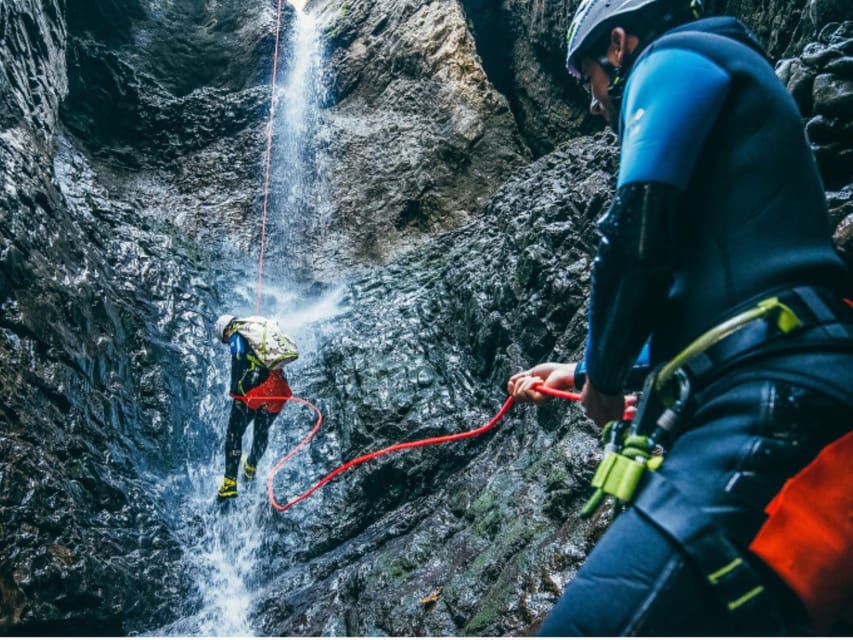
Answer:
[(719, 204), (257, 393)]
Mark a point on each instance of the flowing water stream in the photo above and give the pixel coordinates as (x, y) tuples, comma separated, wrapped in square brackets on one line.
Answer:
[(222, 544)]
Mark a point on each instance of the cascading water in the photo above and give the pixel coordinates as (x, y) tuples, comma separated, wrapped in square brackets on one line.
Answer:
[(293, 167), (223, 543)]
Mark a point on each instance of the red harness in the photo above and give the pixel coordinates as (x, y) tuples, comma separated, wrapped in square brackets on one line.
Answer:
[(271, 395)]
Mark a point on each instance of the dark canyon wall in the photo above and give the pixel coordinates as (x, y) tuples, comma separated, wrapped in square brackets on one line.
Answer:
[(458, 178)]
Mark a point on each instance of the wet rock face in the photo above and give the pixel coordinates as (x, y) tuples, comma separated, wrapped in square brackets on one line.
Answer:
[(87, 409), (147, 82), (32, 77), (522, 45), (415, 136)]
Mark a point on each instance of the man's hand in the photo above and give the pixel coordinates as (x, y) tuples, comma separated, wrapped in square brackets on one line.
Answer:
[(556, 375), (599, 407)]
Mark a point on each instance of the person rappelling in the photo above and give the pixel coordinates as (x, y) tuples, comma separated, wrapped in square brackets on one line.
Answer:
[(717, 251), (258, 388)]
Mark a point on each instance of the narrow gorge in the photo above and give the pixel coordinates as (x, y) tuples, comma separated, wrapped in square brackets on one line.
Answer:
[(431, 192)]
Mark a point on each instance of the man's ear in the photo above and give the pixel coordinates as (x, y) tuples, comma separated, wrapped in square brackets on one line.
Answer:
[(617, 49)]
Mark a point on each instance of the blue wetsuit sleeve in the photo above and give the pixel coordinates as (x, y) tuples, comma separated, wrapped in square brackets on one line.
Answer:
[(240, 364), (238, 345), (671, 101)]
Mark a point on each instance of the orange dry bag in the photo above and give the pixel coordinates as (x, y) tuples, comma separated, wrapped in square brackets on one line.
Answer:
[(808, 537)]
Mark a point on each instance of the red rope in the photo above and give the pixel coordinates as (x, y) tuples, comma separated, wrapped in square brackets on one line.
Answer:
[(376, 454), (557, 393), (304, 441), (630, 401), (568, 395), (268, 161)]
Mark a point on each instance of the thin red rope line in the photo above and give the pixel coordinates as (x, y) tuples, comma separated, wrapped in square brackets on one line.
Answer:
[(268, 162)]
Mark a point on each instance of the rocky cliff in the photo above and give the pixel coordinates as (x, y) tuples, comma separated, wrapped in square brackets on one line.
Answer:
[(454, 182)]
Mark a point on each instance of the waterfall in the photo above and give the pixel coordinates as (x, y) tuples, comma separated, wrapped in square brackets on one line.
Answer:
[(222, 543), (293, 165)]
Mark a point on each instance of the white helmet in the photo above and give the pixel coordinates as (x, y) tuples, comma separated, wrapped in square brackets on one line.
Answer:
[(221, 326)]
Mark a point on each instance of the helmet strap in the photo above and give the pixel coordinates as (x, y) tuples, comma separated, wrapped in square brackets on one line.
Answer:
[(616, 76), (617, 82)]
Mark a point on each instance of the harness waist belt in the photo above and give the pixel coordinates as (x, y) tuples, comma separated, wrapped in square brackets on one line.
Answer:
[(820, 314)]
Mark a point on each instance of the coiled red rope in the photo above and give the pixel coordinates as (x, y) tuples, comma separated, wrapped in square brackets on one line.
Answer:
[(567, 395)]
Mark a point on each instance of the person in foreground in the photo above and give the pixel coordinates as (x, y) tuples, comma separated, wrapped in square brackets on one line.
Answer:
[(258, 388), (716, 255)]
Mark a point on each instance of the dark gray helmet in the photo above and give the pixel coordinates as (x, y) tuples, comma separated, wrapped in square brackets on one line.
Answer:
[(594, 18)]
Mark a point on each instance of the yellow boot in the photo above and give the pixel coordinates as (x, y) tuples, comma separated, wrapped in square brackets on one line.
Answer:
[(228, 489), (248, 470)]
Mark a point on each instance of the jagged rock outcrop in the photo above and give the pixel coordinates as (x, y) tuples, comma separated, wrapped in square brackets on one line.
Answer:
[(415, 137), (522, 45), (821, 81), (457, 217)]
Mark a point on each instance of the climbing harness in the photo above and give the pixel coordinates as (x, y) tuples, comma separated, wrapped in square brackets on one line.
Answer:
[(635, 450), (734, 582), (269, 395), (631, 448)]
